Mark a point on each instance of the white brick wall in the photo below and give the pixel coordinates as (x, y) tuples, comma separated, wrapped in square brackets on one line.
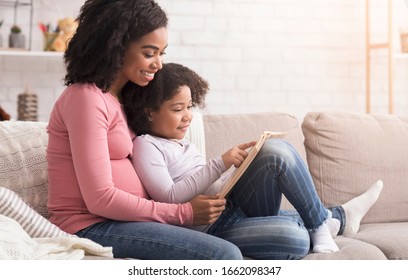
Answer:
[(258, 55)]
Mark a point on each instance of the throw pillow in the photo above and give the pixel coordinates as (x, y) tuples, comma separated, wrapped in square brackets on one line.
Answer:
[(12, 206), (348, 152), (195, 133), (23, 166)]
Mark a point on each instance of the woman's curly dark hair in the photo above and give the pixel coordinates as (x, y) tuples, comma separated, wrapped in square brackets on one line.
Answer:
[(105, 30), (166, 83)]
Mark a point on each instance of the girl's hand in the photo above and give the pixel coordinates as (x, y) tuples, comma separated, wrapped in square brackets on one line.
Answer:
[(236, 155), (207, 209)]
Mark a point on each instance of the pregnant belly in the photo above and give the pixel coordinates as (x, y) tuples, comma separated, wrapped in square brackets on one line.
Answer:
[(126, 178)]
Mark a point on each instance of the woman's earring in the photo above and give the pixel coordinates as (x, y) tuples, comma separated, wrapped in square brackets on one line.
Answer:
[(150, 119)]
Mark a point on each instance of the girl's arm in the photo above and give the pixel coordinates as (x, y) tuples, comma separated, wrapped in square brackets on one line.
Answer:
[(151, 159)]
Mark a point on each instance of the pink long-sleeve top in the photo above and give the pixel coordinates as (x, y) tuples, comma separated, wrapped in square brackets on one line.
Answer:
[(91, 177)]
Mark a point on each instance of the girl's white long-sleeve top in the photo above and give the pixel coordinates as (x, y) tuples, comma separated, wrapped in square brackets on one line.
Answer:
[(174, 171)]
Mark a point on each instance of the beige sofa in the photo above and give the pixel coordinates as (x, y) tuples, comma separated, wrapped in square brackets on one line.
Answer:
[(345, 153)]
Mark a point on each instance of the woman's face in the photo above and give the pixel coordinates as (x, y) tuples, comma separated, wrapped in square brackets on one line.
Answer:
[(143, 59), (174, 116)]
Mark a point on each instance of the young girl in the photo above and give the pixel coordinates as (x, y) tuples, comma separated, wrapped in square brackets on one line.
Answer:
[(173, 171)]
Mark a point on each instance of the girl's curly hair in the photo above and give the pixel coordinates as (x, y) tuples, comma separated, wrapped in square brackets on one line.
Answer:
[(166, 83), (105, 30)]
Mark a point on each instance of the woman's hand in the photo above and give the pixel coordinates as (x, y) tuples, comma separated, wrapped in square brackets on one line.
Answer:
[(206, 209), (236, 155)]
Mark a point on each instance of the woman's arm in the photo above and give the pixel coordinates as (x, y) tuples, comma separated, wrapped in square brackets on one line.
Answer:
[(90, 120)]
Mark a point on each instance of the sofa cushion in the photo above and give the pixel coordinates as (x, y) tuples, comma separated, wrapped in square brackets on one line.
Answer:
[(347, 152), (350, 249), (23, 166), (390, 238), (223, 132)]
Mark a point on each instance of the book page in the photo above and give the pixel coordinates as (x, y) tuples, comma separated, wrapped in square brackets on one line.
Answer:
[(251, 155)]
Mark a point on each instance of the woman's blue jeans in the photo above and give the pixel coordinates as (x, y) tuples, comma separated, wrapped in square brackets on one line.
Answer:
[(252, 225), (156, 241), (253, 220)]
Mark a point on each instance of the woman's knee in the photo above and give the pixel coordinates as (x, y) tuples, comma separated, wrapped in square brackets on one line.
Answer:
[(230, 252)]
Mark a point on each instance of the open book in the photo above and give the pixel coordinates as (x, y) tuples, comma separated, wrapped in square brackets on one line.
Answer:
[(251, 155)]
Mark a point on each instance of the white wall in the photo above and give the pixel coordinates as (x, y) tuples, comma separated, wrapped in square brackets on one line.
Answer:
[(258, 55)]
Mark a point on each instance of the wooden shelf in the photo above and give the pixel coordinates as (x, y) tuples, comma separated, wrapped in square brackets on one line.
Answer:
[(16, 4), (13, 3), (401, 56), (385, 56), (25, 53)]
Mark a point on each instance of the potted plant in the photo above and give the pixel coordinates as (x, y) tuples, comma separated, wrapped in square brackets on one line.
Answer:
[(16, 39)]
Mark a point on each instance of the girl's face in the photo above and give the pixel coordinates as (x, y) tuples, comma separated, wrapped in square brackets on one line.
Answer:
[(174, 116), (142, 60)]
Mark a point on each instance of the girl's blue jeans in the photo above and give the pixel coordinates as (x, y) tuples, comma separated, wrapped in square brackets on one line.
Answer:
[(252, 225), (253, 220)]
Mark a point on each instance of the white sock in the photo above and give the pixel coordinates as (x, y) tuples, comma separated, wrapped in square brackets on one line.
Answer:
[(356, 208), (322, 240), (334, 226)]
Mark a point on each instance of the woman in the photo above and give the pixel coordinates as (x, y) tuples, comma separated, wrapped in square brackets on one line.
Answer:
[(94, 192), (172, 170)]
